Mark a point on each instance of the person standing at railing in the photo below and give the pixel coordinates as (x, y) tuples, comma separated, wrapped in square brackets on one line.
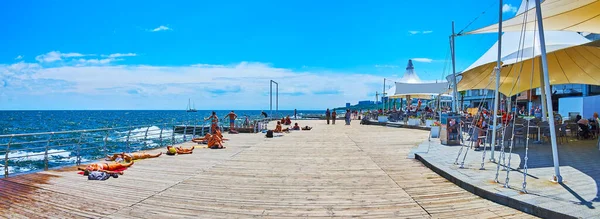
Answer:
[(215, 121), (232, 117)]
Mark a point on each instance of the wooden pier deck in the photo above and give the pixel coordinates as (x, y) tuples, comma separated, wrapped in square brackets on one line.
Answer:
[(331, 171)]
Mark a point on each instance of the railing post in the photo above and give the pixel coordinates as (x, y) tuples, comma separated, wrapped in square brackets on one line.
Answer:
[(173, 137), (146, 137), (194, 132), (184, 132), (160, 135), (104, 144), (46, 151), (127, 140), (79, 148), (6, 156)]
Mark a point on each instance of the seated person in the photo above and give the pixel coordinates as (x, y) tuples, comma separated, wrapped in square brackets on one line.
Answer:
[(282, 120), (178, 150), (306, 128), (128, 157), (215, 142), (109, 168), (288, 121), (584, 126), (278, 128), (296, 127)]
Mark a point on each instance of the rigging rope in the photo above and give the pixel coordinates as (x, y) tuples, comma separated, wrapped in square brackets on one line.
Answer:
[(502, 156), (524, 189)]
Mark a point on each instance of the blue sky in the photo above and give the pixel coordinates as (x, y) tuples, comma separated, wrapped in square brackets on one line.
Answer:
[(157, 54)]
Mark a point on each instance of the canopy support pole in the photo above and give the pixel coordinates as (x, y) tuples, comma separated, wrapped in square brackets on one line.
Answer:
[(455, 87), (496, 93), (543, 95), (548, 96)]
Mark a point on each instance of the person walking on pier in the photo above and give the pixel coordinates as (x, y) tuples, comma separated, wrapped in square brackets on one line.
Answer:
[(327, 114), (347, 117), (333, 117)]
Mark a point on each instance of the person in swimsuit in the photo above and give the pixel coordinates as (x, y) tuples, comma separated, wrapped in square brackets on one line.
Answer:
[(109, 168), (296, 127), (178, 150), (306, 128), (128, 157), (278, 128), (333, 116), (215, 142), (215, 121), (288, 121), (232, 117)]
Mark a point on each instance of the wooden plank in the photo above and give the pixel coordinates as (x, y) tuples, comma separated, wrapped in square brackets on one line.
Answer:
[(331, 171)]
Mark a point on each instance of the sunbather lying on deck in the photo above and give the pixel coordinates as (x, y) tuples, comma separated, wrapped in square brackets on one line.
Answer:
[(202, 140), (128, 157), (105, 167), (178, 150)]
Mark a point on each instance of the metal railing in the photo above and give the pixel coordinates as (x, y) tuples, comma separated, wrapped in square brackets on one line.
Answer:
[(21, 153)]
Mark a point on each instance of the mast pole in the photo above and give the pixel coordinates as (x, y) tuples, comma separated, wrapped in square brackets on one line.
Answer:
[(454, 95), (383, 96), (496, 92), (548, 96)]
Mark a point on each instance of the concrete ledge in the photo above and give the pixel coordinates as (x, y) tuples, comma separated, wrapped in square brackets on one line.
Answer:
[(397, 125), (495, 197)]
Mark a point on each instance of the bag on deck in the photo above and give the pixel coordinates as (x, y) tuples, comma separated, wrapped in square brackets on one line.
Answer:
[(269, 134)]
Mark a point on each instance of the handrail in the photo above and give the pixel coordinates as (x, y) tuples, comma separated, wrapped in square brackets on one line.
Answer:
[(45, 150)]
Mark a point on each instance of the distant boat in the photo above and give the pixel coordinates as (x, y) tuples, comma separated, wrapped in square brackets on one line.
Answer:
[(190, 108)]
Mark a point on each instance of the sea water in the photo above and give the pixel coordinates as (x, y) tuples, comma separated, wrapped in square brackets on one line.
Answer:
[(137, 130)]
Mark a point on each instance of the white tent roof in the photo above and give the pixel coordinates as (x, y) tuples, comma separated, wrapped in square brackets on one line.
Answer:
[(512, 52), (421, 90), (566, 15)]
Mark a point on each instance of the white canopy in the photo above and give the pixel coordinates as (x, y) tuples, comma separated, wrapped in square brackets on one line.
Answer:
[(513, 52), (565, 15), (421, 90)]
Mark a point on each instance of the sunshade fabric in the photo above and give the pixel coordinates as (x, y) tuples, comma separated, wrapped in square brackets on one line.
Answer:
[(574, 65), (561, 15)]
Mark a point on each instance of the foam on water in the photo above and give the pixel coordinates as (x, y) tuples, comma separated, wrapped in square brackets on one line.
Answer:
[(35, 156)]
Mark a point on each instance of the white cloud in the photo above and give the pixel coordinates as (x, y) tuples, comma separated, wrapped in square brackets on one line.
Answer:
[(426, 60), (96, 61), (386, 66), (116, 55), (508, 8), (105, 86), (160, 28), (19, 57), (414, 32), (57, 56)]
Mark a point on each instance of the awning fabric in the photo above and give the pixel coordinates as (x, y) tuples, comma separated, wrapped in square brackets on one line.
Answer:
[(560, 15), (420, 90), (573, 65)]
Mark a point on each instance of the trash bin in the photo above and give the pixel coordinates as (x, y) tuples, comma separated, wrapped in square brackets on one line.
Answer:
[(449, 133)]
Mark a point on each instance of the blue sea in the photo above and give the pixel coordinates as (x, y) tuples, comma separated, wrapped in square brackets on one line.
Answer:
[(133, 130)]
